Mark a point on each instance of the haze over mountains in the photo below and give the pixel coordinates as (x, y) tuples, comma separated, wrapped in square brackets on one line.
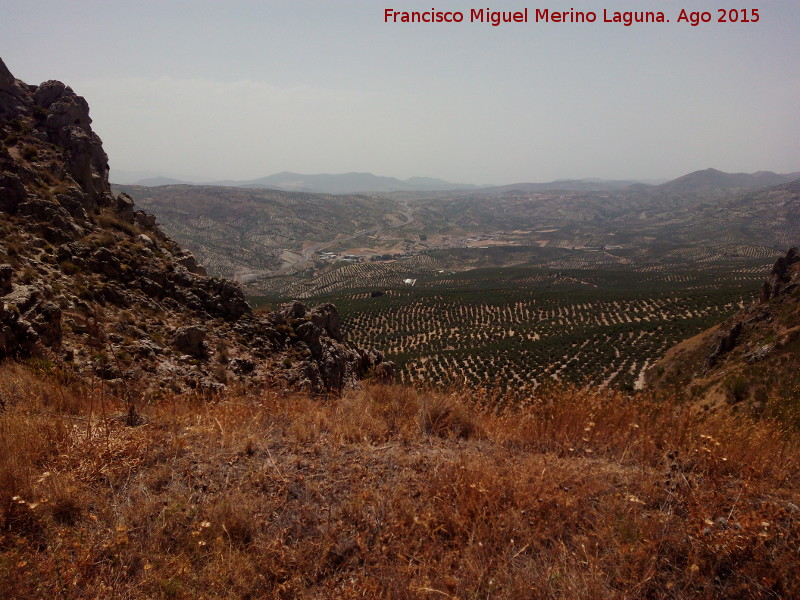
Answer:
[(323, 183), (252, 233), (704, 181)]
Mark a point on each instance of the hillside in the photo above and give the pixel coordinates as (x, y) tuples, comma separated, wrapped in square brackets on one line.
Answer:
[(390, 492), (92, 285), (750, 360), (711, 181), (247, 234), (271, 241)]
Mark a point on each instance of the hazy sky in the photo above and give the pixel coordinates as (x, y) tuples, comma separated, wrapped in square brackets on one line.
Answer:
[(239, 89)]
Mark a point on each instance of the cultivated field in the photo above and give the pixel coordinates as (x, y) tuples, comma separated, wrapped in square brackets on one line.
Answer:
[(517, 328)]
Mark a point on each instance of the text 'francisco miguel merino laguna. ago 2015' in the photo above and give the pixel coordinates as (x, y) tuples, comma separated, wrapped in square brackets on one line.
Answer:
[(545, 15)]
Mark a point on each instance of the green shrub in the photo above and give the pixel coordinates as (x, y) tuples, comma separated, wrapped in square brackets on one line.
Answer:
[(737, 389), (69, 268), (30, 153)]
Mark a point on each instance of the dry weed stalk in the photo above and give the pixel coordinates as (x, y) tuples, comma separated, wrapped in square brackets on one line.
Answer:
[(390, 492)]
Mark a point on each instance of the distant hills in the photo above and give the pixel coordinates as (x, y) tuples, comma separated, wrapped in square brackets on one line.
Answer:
[(711, 180), (324, 183), (706, 182)]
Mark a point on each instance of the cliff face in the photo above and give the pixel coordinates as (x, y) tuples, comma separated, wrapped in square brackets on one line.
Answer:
[(91, 284), (751, 359)]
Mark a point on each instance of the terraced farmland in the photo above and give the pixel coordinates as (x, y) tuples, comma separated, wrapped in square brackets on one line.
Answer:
[(521, 327)]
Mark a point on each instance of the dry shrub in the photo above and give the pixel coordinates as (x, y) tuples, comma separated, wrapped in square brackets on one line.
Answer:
[(232, 518), (67, 499), (395, 492), (444, 416), (308, 427), (358, 419), (29, 435)]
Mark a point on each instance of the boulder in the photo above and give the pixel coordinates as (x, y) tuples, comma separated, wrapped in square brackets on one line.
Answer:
[(326, 317), (190, 340), (12, 193), (123, 206), (723, 343), (384, 372), (6, 271)]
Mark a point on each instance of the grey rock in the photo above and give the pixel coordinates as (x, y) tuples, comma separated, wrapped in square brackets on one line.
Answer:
[(243, 366), (723, 343), (759, 353), (147, 348), (326, 317), (146, 240), (47, 324), (22, 296), (12, 193), (104, 261), (384, 372), (6, 271), (123, 207), (190, 340), (144, 220)]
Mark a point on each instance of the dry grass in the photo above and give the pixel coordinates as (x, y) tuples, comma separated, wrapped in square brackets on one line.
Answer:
[(390, 492)]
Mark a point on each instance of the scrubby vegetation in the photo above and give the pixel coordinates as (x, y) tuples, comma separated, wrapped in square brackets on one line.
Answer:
[(389, 492)]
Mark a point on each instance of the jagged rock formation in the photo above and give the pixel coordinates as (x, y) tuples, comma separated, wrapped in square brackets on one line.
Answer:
[(750, 359), (90, 283)]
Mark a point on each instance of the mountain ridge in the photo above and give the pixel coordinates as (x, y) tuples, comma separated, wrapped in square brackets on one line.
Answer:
[(322, 183), (353, 182)]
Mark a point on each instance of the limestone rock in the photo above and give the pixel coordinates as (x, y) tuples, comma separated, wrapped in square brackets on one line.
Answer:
[(6, 271), (102, 280), (725, 342), (779, 277), (14, 97), (12, 192), (190, 340)]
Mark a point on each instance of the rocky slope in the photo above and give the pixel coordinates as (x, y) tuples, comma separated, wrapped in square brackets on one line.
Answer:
[(91, 285), (750, 359)]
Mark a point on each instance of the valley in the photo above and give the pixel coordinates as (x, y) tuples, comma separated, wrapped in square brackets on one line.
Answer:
[(165, 436), (509, 288)]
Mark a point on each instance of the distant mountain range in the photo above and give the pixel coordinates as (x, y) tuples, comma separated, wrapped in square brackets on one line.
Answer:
[(708, 181), (324, 183), (705, 182)]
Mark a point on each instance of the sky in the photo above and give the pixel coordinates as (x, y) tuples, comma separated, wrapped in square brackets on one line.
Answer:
[(240, 89)]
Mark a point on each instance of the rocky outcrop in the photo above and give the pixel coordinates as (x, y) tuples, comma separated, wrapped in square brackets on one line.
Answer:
[(67, 124), (14, 96), (750, 359), (725, 342), (27, 319), (94, 285), (780, 279), (190, 340)]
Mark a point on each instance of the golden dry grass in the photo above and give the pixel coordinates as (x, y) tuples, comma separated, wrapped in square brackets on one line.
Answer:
[(390, 492)]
